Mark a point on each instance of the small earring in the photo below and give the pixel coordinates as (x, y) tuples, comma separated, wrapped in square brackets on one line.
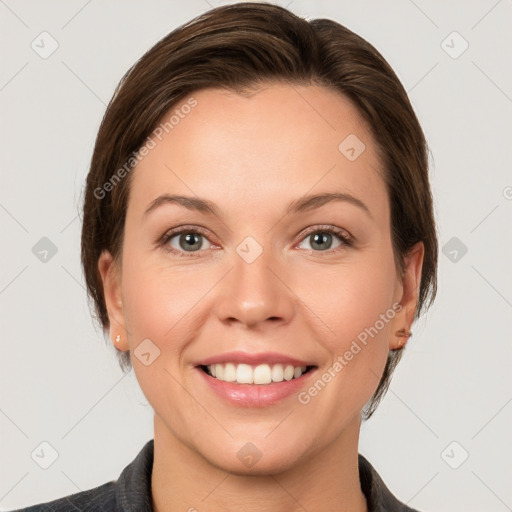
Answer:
[(118, 338), (404, 335)]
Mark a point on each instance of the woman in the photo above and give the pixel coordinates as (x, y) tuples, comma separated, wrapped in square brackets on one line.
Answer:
[(258, 238)]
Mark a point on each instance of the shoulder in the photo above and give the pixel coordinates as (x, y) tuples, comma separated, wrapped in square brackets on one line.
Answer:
[(101, 498), (132, 491), (378, 496)]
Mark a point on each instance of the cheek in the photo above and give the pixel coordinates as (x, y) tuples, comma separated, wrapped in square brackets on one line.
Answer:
[(157, 300), (155, 295), (350, 298), (167, 304), (158, 305), (353, 305)]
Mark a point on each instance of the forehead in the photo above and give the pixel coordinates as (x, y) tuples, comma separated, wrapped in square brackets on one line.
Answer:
[(265, 148)]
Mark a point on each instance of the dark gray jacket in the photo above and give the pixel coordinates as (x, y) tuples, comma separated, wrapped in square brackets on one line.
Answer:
[(132, 491)]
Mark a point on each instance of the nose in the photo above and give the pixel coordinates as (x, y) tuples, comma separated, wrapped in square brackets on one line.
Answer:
[(255, 293)]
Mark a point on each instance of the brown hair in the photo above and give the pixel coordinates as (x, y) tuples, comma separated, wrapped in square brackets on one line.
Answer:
[(239, 47)]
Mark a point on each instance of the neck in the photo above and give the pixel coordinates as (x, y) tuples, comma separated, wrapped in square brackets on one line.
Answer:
[(183, 480)]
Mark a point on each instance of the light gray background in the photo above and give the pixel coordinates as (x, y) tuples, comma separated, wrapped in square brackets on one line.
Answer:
[(60, 383)]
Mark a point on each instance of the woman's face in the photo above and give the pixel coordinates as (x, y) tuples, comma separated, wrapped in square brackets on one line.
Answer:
[(261, 277)]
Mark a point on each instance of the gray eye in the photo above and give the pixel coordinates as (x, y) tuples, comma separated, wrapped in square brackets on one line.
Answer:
[(321, 240), (189, 241)]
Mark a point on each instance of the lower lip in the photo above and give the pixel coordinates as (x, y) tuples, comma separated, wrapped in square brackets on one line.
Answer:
[(255, 395)]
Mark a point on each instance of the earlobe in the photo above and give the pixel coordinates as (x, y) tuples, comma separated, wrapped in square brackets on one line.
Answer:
[(111, 278), (121, 342), (403, 336), (401, 331)]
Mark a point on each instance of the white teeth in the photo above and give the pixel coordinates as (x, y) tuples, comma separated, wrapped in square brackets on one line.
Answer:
[(219, 371), (289, 373), (277, 373), (230, 372), (261, 374), (244, 374)]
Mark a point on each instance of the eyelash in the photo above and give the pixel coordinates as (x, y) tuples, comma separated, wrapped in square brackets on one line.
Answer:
[(347, 239)]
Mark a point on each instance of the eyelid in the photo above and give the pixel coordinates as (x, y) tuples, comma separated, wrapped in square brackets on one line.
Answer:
[(342, 233)]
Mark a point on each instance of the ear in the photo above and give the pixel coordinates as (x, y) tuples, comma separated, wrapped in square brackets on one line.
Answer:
[(111, 276), (408, 298)]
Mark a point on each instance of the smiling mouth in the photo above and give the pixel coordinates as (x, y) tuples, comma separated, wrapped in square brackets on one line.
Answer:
[(255, 374)]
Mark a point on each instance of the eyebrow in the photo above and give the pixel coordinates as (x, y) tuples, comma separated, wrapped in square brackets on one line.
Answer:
[(302, 204)]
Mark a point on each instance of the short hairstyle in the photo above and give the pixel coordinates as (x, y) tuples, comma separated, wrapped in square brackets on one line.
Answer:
[(240, 47)]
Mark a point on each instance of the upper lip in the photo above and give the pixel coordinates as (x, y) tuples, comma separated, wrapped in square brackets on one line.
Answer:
[(239, 357)]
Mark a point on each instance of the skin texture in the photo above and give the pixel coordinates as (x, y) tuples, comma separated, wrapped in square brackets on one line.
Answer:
[(252, 156)]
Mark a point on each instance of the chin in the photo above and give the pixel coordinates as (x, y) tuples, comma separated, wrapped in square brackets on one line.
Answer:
[(256, 455), (270, 463)]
